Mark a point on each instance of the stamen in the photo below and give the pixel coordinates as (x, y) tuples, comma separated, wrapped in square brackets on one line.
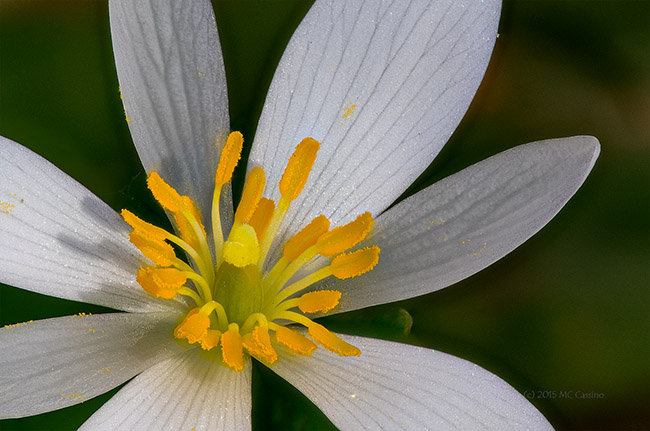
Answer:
[(291, 184), (194, 326), (231, 348), (300, 164), (160, 252), (320, 300), (262, 217), (165, 194), (345, 237), (331, 342), (353, 264), (253, 189), (294, 341), (230, 156)]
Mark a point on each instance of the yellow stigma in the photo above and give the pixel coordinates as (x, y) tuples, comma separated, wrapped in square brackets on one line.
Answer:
[(242, 302)]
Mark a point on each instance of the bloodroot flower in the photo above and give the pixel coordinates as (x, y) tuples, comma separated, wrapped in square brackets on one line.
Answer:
[(365, 96)]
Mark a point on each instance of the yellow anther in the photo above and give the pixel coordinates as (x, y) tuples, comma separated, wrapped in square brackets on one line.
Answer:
[(230, 156), (300, 165), (355, 263), (320, 300), (160, 282), (262, 216), (294, 341), (242, 248), (211, 339), (194, 326), (160, 252), (164, 193), (167, 277), (253, 189), (231, 348), (258, 343), (331, 342), (144, 229), (306, 237), (345, 237)]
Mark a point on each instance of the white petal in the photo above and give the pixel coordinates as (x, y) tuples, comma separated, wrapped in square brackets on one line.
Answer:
[(173, 84), (469, 220), (50, 364), (382, 84), (59, 239), (394, 386), (183, 393)]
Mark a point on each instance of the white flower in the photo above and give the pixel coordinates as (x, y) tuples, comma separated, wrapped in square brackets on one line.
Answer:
[(381, 85)]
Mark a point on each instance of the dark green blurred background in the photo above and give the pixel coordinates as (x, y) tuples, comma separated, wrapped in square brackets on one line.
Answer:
[(568, 311)]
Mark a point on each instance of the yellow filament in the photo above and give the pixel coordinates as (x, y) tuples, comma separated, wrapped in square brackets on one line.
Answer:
[(262, 217), (331, 342), (355, 263), (230, 156), (300, 164), (345, 237), (144, 229), (194, 326), (307, 237), (242, 248), (294, 341), (231, 348), (165, 194), (251, 195), (160, 252), (320, 300), (211, 339)]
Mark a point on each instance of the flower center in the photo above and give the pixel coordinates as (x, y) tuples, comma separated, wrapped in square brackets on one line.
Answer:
[(238, 305)]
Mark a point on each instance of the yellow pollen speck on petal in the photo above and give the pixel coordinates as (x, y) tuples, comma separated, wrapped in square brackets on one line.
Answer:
[(165, 194), (297, 171), (253, 189), (6, 207), (160, 252), (231, 348), (294, 341), (331, 342), (242, 248), (262, 216), (306, 237), (194, 326), (144, 229), (320, 300), (345, 237), (230, 156), (349, 110), (211, 339), (355, 263)]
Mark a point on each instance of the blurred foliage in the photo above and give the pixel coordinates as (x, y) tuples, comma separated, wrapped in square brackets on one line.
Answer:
[(568, 311)]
